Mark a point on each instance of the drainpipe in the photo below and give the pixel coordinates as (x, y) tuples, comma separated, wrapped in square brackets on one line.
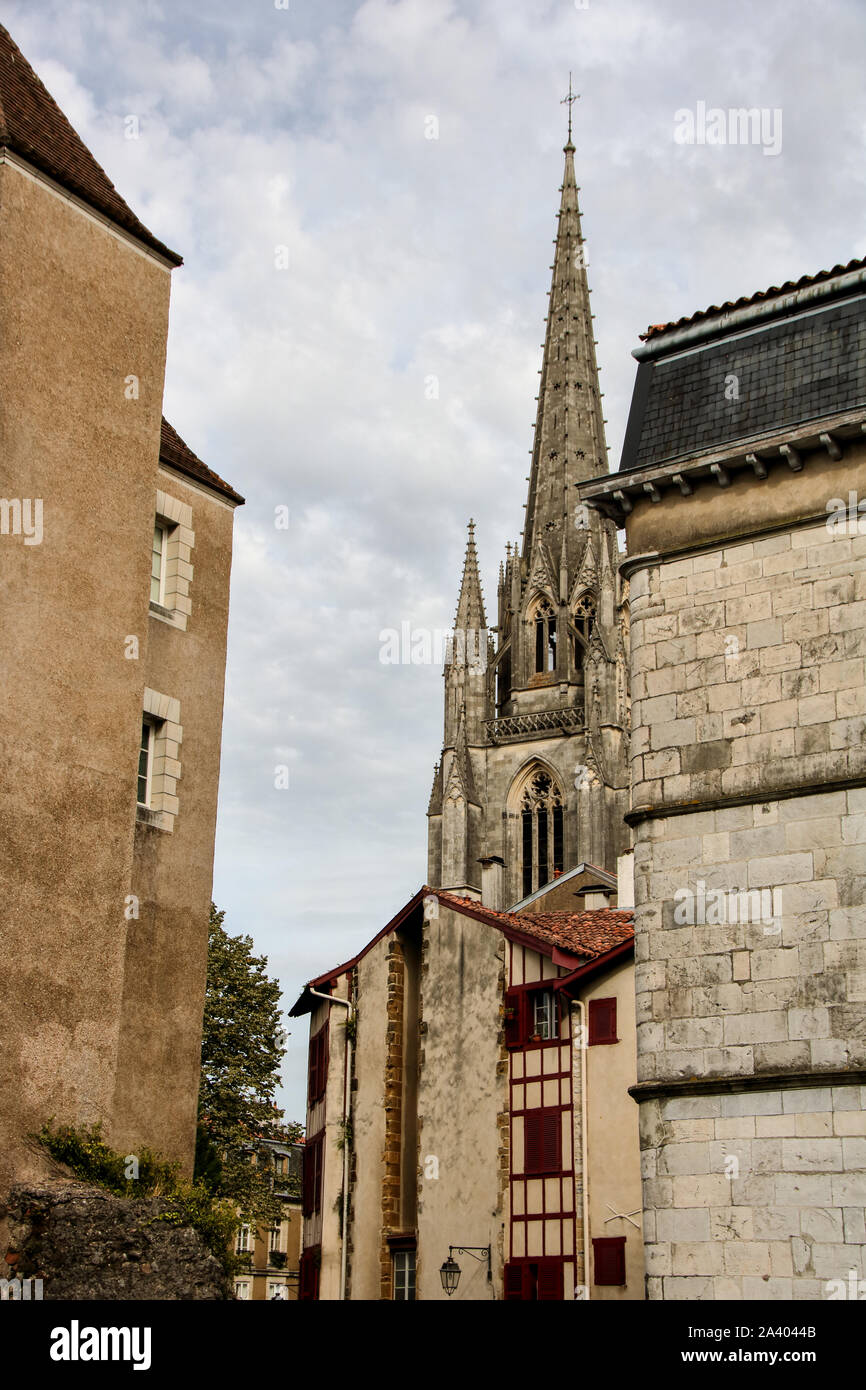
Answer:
[(347, 1110), (584, 1146)]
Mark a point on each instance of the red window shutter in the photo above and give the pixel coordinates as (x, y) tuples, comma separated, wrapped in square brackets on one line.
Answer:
[(309, 1159), (319, 1170), (514, 1281), (550, 1280), (516, 1001), (313, 1076), (602, 1021), (551, 1142), (542, 1141), (323, 1060), (608, 1256), (532, 1141)]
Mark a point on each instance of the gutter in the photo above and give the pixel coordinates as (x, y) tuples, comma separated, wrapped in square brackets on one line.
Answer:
[(719, 325), (347, 1108)]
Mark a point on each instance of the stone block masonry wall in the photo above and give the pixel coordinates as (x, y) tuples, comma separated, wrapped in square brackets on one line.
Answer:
[(758, 1195), (749, 802)]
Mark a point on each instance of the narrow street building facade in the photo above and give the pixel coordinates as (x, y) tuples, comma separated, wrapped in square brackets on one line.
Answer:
[(115, 552)]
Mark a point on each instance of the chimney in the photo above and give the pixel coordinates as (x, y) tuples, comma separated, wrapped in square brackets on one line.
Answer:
[(596, 895), (491, 881)]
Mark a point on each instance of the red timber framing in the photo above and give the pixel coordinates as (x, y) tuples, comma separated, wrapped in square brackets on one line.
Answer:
[(542, 1239), (308, 1274)]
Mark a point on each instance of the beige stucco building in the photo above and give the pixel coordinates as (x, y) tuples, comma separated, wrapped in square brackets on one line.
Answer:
[(483, 1084), (115, 552)]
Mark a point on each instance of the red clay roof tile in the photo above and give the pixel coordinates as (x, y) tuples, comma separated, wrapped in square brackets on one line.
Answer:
[(173, 451), (33, 126)]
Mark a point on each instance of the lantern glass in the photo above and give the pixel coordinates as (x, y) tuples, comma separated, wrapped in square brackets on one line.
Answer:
[(450, 1275)]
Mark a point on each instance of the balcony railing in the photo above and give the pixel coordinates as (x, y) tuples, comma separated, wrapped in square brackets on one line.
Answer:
[(545, 721)]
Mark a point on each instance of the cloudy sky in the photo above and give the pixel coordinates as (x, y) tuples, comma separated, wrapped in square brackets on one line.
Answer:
[(364, 193)]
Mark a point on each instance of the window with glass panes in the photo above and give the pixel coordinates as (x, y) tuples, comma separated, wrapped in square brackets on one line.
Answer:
[(243, 1244), (404, 1276), (544, 1013), (542, 856), (274, 1237), (145, 763), (157, 564)]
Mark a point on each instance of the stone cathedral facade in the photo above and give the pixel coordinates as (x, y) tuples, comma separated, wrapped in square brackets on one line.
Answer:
[(533, 775)]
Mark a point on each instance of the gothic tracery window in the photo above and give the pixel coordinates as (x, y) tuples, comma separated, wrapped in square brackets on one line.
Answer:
[(545, 638), (542, 850), (583, 618)]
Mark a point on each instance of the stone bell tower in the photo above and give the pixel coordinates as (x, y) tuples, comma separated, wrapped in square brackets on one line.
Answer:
[(534, 770)]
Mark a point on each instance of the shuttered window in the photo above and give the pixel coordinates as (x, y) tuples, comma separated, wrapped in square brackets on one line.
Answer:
[(516, 1017), (314, 1157), (318, 1074), (542, 1131), (529, 1280), (308, 1281), (602, 1021), (608, 1258)]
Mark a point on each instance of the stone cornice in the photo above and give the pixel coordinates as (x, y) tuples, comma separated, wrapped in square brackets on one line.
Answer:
[(735, 1085), (676, 479)]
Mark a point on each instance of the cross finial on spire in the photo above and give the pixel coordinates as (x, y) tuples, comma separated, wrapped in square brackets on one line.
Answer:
[(569, 101)]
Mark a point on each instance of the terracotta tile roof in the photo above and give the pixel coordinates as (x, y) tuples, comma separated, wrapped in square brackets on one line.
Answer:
[(33, 126), (173, 451), (656, 329), (588, 934)]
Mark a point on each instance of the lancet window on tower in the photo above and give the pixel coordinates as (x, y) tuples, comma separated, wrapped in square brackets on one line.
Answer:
[(503, 681), (542, 849), (545, 638), (583, 618)]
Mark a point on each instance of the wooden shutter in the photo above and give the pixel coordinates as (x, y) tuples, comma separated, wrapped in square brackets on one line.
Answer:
[(602, 1021), (515, 1280), (308, 1274), (550, 1280), (318, 1171), (516, 1017), (542, 1141), (608, 1257), (308, 1161)]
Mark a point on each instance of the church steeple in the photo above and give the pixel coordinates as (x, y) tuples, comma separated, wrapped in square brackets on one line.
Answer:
[(569, 444), (534, 769), (470, 604)]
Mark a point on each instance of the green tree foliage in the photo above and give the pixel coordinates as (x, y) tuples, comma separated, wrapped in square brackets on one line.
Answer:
[(242, 1047)]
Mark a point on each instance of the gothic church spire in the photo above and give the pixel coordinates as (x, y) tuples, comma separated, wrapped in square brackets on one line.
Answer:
[(569, 444)]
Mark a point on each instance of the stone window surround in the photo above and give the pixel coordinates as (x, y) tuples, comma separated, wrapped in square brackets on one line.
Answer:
[(163, 713), (176, 518)]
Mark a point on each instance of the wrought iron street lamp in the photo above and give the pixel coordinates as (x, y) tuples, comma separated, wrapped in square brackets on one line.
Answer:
[(450, 1271)]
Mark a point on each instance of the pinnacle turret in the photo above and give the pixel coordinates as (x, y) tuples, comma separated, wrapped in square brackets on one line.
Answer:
[(470, 605)]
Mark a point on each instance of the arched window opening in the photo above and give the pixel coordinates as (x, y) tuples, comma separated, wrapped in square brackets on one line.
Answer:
[(545, 638), (503, 682), (583, 618), (541, 810)]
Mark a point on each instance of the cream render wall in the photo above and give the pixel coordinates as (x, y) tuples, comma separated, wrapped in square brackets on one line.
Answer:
[(103, 921), (86, 312), (461, 1093), (613, 1140)]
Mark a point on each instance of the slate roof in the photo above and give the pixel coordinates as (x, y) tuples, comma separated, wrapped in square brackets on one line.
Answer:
[(33, 126), (173, 451), (655, 330)]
